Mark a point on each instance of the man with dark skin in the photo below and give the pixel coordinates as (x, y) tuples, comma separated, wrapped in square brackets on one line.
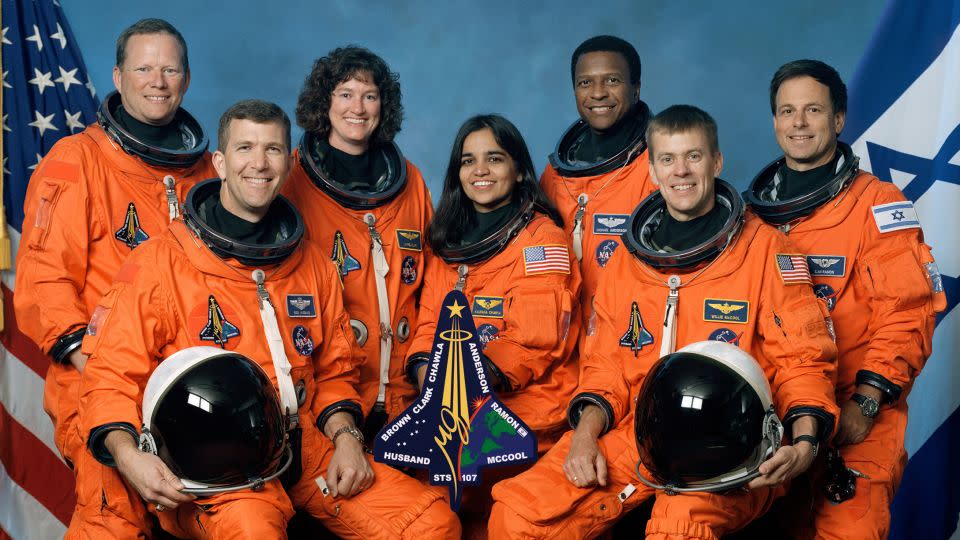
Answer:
[(599, 170)]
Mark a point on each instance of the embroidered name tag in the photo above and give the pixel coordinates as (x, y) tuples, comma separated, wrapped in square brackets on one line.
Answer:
[(409, 240), (731, 311), (827, 265), (490, 307), (614, 224), (301, 306)]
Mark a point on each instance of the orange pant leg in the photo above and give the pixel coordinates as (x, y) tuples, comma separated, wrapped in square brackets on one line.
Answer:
[(542, 503), (707, 516), (880, 456), (395, 506), (247, 514), (106, 508)]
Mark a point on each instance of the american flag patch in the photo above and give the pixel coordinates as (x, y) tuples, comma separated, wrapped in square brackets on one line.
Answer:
[(546, 259), (793, 268)]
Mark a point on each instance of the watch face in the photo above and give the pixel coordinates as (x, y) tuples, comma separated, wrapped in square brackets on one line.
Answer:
[(869, 406)]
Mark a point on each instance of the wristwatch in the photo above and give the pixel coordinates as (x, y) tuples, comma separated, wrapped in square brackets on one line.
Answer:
[(812, 439), (356, 433), (868, 406)]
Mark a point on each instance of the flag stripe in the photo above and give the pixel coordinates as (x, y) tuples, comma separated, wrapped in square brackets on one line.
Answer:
[(31, 465), (21, 392), (875, 86), (17, 343), (22, 516)]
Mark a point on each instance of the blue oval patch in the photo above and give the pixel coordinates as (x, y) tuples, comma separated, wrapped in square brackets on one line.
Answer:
[(487, 333), (822, 290), (605, 250), (725, 335), (408, 271), (302, 341)]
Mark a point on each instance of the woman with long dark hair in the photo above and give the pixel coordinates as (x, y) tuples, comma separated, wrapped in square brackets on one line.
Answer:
[(499, 241)]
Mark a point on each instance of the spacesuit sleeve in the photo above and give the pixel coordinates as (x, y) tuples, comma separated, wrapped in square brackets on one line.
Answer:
[(798, 350), (337, 359), (537, 323), (130, 326), (897, 273), (603, 382), (52, 260)]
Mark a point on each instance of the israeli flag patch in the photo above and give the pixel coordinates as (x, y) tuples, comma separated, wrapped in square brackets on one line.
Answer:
[(895, 216), (612, 224)]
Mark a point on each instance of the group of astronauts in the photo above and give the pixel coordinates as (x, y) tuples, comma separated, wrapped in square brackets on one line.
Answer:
[(139, 243)]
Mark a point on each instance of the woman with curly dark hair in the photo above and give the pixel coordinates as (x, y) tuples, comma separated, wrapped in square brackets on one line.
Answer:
[(500, 241), (367, 206)]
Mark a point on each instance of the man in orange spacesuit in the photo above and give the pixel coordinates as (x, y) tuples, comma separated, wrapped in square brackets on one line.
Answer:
[(695, 261), (599, 171), (234, 274), (869, 264), (94, 197)]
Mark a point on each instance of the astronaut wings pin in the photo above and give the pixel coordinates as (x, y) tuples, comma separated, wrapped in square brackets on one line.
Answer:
[(457, 426)]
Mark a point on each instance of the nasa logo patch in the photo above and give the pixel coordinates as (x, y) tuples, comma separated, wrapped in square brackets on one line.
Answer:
[(302, 341), (605, 251), (826, 292), (610, 224), (725, 335), (408, 270), (487, 333)]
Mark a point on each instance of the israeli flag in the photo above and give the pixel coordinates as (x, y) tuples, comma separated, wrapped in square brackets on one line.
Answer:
[(904, 119)]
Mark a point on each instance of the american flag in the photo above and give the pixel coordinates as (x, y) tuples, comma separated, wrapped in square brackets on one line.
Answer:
[(46, 95), (793, 269), (545, 259)]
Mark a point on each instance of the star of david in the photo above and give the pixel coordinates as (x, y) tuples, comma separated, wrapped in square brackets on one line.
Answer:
[(926, 171), (883, 160), (897, 215)]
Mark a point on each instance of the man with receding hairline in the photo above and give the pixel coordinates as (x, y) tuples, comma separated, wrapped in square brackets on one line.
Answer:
[(94, 198)]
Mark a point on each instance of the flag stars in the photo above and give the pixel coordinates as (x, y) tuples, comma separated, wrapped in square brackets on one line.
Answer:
[(5, 83), (5, 40), (41, 80), (897, 215), (36, 38), (5, 169), (59, 36), (67, 78), (43, 123), (5, 126), (34, 166), (89, 85), (73, 120)]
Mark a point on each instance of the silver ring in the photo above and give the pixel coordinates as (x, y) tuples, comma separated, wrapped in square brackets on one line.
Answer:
[(160, 507)]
